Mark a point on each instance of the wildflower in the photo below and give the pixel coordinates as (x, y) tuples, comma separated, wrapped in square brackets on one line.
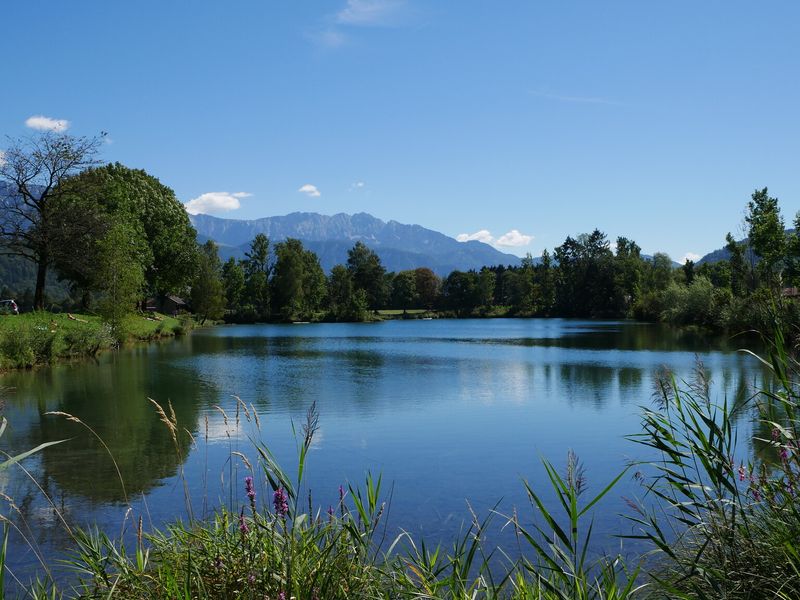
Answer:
[(281, 502), (243, 524), (756, 494), (250, 490), (281, 595), (784, 453), (251, 578), (741, 472), (330, 512)]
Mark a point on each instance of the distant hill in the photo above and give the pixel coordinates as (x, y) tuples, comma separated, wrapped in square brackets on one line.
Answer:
[(724, 254), (400, 246)]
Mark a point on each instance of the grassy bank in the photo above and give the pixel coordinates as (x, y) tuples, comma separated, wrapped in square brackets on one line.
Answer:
[(40, 338)]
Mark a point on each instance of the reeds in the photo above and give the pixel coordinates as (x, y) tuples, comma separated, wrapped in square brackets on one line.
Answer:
[(721, 522)]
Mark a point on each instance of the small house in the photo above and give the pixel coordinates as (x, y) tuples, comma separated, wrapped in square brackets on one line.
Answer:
[(168, 305)]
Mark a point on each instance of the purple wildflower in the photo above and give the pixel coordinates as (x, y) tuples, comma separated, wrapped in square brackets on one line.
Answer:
[(250, 490), (243, 524), (741, 472), (330, 512), (756, 494), (281, 502), (281, 595), (784, 453), (251, 578)]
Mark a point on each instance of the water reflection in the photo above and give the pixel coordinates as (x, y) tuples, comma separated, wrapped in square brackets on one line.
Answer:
[(447, 410), (113, 402)]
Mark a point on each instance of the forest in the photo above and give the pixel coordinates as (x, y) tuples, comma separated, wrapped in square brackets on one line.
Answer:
[(103, 239)]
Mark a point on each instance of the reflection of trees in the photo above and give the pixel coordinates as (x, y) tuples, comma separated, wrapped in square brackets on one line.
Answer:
[(113, 402), (629, 378), (593, 383), (636, 336)]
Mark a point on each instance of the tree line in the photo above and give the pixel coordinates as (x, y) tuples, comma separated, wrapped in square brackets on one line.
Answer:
[(115, 236)]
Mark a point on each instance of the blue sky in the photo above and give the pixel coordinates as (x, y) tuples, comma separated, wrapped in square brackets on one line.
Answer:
[(515, 122)]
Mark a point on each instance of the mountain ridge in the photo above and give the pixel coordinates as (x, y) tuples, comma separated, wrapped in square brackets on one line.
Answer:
[(401, 246)]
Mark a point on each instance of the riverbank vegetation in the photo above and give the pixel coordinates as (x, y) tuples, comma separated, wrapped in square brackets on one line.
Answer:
[(41, 338), (119, 241), (583, 277), (720, 518)]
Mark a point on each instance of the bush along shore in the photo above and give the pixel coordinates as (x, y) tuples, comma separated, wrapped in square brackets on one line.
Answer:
[(41, 338), (720, 524)]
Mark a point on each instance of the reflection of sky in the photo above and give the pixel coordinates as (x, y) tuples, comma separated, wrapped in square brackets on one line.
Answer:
[(446, 410)]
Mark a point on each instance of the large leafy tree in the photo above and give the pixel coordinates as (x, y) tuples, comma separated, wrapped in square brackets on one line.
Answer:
[(545, 281), (628, 267), (208, 291), (585, 286), (32, 174), (739, 271), (404, 290), (233, 279), (257, 269), (298, 281), (427, 285), (344, 302), (119, 277), (368, 273), (459, 291), (767, 235), (154, 213)]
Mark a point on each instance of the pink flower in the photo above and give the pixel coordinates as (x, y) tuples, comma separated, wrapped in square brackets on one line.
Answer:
[(281, 502)]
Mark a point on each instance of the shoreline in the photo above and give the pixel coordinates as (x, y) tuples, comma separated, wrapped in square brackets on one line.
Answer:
[(40, 339)]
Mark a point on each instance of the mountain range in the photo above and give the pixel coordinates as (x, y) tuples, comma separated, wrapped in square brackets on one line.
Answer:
[(399, 246)]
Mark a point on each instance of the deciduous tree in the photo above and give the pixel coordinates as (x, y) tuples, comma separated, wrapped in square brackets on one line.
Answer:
[(368, 273), (208, 292), (32, 172)]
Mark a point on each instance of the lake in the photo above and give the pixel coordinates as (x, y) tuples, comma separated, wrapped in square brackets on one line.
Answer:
[(448, 411)]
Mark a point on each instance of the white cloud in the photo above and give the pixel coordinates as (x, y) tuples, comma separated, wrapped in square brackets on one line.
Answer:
[(358, 185), (484, 235), (42, 123), (511, 239), (368, 13), (514, 238), (310, 190), (690, 256), (215, 202)]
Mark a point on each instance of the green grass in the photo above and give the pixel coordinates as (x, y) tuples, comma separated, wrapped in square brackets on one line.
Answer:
[(39, 338)]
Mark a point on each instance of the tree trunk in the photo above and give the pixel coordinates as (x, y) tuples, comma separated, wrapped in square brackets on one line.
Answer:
[(41, 278)]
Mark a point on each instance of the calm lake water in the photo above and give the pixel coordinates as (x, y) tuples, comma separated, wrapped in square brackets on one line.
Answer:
[(447, 411)]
